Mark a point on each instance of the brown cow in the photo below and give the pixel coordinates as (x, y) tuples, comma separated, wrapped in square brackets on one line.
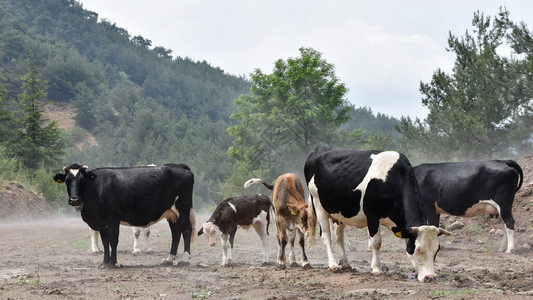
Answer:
[(291, 215)]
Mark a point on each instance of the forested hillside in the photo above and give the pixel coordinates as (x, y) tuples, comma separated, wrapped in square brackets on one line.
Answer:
[(142, 104), (138, 103)]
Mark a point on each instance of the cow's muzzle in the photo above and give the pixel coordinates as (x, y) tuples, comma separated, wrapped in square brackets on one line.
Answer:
[(75, 201)]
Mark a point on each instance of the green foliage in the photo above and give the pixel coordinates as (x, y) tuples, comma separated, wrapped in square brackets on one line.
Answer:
[(483, 109), (7, 121), (289, 112), (35, 143), (37, 180), (363, 118), (136, 103)]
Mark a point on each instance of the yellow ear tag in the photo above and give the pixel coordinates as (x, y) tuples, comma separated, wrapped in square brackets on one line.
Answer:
[(59, 181), (293, 212), (398, 234), (92, 176)]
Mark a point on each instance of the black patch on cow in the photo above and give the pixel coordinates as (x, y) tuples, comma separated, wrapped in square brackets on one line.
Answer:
[(457, 186), (247, 208), (137, 196)]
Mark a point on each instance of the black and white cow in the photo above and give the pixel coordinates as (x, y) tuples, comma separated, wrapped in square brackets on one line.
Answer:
[(366, 189), (469, 189), (139, 196), (136, 234), (243, 211)]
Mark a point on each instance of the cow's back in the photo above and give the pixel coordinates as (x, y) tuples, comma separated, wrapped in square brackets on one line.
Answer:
[(384, 180), (456, 186), (140, 195), (287, 189)]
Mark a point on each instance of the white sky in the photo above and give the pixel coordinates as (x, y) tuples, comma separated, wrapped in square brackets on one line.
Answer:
[(381, 49)]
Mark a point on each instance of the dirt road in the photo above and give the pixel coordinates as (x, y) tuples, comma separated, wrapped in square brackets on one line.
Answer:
[(50, 259)]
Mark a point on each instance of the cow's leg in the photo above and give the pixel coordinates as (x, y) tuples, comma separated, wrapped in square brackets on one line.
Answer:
[(323, 219), (104, 235), (186, 231), (94, 241), (261, 229), (281, 234), (109, 237), (225, 240), (506, 216), (176, 235), (374, 243), (148, 244), (292, 236), (301, 241), (339, 237), (136, 233)]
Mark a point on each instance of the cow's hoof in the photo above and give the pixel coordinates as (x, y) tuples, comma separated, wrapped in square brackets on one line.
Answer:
[(281, 267), (107, 266), (346, 267), (334, 268), (96, 252), (294, 265), (306, 266), (228, 265), (377, 272), (136, 252), (184, 263), (167, 263)]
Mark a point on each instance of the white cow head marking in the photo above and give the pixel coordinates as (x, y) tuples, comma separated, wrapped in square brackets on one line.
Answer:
[(75, 177), (212, 232), (426, 247)]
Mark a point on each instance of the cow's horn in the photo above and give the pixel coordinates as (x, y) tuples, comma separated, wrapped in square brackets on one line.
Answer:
[(444, 231)]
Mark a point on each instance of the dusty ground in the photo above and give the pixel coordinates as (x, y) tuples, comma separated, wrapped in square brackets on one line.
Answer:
[(50, 259)]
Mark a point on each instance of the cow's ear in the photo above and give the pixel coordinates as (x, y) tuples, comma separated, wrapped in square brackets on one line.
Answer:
[(91, 175), (401, 232), (293, 209), (201, 231), (59, 178)]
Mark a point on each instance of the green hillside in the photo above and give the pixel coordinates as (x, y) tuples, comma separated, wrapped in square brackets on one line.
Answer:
[(138, 103)]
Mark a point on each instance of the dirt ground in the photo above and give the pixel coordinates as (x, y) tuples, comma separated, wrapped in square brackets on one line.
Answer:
[(50, 259)]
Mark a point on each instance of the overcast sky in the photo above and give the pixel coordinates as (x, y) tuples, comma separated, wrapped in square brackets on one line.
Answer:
[(381, 49)]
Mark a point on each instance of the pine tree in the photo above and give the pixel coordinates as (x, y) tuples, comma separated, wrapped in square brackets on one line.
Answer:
[(6, 116), (479, 111), (35, 142)]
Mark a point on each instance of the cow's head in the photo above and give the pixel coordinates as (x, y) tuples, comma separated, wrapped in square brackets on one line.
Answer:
[(76, 178), (211, 231), (422, 248), (301, 212)]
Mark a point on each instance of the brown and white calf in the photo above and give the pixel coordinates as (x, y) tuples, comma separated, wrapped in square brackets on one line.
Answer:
[(291, 215), (136, 233), (243, 211)]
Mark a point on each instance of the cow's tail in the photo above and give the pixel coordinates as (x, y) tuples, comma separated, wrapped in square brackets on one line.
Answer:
[(257, 180), (516, 166), (311, 221), (192, 219)]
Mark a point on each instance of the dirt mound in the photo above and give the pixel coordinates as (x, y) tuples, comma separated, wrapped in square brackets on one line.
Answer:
[(18, 203), (526, 163)]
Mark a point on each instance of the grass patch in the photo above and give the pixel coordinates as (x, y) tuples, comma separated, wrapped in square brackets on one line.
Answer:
[(445, 293), (23, 280), (202, 293), (123, 288)]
